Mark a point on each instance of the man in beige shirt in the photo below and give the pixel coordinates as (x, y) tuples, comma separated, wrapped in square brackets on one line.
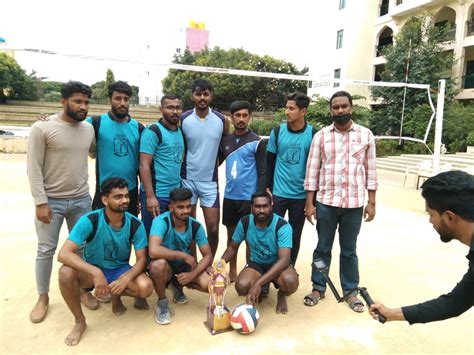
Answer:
[(58, 174)]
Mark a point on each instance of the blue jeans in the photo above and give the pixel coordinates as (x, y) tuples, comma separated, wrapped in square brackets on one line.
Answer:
[(48, 235), (348, 222)]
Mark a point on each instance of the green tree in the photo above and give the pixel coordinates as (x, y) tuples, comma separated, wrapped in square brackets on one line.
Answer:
[(420, 41), (14, 82), (262, 93), (100, 93)]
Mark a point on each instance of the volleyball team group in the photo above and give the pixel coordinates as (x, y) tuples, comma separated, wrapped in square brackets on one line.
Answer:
[(161, 172)]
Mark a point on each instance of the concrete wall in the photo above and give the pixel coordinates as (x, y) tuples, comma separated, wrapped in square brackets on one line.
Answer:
[(9, 144)]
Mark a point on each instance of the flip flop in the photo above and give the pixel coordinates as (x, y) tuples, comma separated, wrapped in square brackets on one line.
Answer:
[(311, 299), (355, 303)]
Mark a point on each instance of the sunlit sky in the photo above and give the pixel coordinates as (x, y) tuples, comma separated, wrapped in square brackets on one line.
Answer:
[(124, 29)]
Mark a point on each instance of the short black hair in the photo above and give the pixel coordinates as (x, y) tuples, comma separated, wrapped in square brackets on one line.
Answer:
[(240, 105), (201, 84), (180, 194), (72, 87), (261, 194), (301, 100), (120, 86), (341, 93), (113, 183), (451, 191), (169, 97)]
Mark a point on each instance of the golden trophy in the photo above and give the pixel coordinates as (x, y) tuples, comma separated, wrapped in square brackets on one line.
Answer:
[(218, 316)]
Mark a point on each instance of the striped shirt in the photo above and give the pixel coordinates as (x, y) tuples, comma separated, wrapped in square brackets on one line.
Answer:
[(341, 166)]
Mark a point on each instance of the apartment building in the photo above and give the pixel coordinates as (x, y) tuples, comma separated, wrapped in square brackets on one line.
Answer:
[(363, 28)]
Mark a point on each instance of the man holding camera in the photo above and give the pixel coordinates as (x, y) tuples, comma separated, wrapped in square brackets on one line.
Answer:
[(449, 200)]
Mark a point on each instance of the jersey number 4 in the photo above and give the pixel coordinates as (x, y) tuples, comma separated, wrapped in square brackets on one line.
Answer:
[(233, 171)]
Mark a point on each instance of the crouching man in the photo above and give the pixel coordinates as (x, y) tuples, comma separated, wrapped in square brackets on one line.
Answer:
[(171, 235), (108, 234), (269, 238)]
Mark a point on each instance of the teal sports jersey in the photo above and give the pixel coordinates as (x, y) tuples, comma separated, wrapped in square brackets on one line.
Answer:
[(264, 243), (109, 248), (291, 154), (167, 148), (163, 228), (118, 147)]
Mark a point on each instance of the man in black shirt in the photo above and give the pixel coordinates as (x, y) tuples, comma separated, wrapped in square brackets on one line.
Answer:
[(449, 200)]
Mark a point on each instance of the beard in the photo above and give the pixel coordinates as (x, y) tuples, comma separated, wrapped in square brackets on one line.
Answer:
[(120, 208), (445, 238), (120, 115), (262, 217), (77, 116)]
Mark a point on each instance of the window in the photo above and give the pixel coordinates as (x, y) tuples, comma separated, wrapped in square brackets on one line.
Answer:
[(399, 2), (384, 7), (337, 75), (342, 4), (340, 34)]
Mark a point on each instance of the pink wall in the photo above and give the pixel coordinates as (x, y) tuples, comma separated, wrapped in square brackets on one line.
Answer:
[(196, 39)]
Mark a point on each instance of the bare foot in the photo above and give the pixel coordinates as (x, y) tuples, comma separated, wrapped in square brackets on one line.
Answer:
[(39, 311), (141, 304), (74, 336), (232, 276), (89, 301), (281, 307), (117, 306)]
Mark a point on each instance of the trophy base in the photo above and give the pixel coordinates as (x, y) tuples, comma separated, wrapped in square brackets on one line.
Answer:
[(216, 324)]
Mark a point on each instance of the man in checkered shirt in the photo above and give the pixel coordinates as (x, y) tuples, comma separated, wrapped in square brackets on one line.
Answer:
[(340, 167)]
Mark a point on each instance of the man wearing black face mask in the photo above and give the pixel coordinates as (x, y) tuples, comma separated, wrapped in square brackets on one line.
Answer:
[(340, 167)]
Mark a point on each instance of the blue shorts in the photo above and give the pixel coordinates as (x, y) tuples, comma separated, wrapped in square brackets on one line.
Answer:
[(206, 191), (112, 274), (147, 218)]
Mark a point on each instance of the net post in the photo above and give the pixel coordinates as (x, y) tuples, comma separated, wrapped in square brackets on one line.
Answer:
[(439, 125)]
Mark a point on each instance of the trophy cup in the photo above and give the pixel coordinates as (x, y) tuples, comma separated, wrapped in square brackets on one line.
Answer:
[(218, 316)]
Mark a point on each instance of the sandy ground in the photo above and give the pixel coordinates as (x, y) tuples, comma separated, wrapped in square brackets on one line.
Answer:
[(401, 260)]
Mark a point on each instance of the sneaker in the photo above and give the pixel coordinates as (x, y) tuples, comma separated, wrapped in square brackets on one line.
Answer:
[(163, 312), (178, 294)]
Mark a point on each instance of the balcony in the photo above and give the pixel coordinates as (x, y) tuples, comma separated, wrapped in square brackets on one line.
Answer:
[(408, 8)]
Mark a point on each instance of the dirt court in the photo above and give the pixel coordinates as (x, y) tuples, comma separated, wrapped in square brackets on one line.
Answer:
[(401, 261)]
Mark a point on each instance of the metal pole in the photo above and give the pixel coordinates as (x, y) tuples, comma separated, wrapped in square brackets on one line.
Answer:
[(439, 126)]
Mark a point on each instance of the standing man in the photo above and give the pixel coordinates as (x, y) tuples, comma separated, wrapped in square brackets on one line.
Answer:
[(287, 152), (203, 129), (57, 172), (108, 235), (269, 239), (340, 168), (172, 234), (118, 151), (245, 156), (161, 155), (118, 144), (449, 200)]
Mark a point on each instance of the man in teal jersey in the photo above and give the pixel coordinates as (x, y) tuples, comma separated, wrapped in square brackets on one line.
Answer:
[(108, 235), (171, 236), (161, 154), (287, 152), (269, 238), (118, 144)]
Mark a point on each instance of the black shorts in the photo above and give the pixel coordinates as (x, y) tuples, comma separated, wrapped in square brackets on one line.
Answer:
[(263, 268), (177, 268), (132, 206), (234, 210)]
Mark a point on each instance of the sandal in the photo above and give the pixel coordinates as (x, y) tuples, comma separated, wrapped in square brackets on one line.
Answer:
[(355, 304), (311, 299)]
